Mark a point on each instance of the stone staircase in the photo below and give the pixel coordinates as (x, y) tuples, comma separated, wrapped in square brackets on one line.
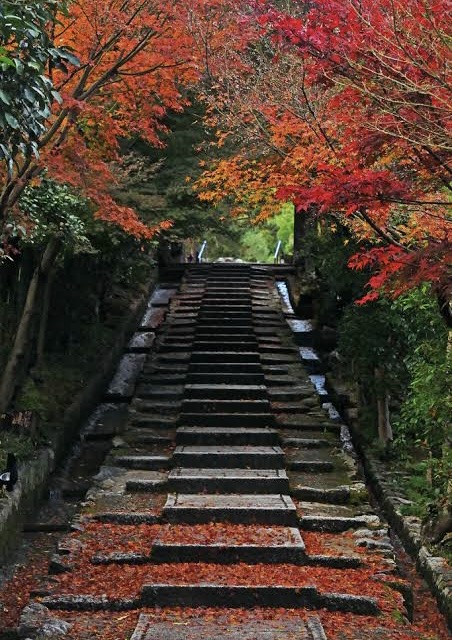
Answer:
[(227, 451)]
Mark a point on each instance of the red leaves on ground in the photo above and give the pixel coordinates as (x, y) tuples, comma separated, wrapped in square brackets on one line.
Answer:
[(224, 533)]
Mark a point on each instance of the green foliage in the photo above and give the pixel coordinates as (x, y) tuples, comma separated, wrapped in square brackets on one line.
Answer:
[(372, 337), (54, 209), (425, 413), (26, 90), (329, 247)]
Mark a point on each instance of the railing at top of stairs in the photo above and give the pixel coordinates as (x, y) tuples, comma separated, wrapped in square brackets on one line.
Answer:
[(201, 251)]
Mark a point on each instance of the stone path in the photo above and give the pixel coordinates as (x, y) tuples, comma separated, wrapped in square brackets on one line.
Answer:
[(227, 486)]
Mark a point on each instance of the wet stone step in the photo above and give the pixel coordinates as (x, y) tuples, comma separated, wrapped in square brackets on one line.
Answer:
[(225, 356), (152, 318), (225, 337), (229, 480), (217, 345), (168, 379), (225, 629), (141, 342), (292, 393), (278, 381), (243, 379), (307, 443), (225, 391), (224, 315), (202, 419), (218, 322), (213, 296), (336, 524), (135, 437), (295, 408), (175, 358), (254, 457), (232, 306), (147, 484), (150, 463), (310, 466), (337, 495), (171, 346), (281, 545), (209, 405), (226, 436), (146, 391), (220, 365), (150, 406), (215, 595), (152, 421), (270, 509)]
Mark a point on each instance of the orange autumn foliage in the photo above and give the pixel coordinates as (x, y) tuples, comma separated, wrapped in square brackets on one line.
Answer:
[(136, 62)]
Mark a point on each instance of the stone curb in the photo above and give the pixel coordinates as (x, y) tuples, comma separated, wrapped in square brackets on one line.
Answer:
[(34, 474), (434, 569)]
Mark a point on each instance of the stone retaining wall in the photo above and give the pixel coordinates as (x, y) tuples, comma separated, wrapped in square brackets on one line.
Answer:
[(34, 473)]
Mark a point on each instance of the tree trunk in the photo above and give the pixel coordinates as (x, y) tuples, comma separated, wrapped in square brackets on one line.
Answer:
[(11, 374), (40, 347), (384, 424)]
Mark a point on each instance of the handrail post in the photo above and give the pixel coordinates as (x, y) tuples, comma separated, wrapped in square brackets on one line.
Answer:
[(201, 251), (277, 250)]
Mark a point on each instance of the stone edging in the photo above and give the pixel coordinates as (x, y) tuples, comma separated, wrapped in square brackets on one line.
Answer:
[(34, 473), (434, 569)]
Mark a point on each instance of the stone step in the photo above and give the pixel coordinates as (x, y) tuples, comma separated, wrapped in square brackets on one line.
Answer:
[(241, 456), (307, 443), (269, 509), (217, 345), (217, 321), (220, 365), (206, 336), (337, 495), (293, 408), (209, 405), (310, 466), (225, 356), (228, 288), (281, 545), (225, 391), (172, 392), (272, 380), (226, 378), (215, 595), (153, 421), (223, 628), (170, 346), (232, 306), (275, 358), (169, 379), (226, 436), (213, 295), (226, 329), (228, 480), (171, 407), (158, 368), (148, 463), (226, 419), (276, 349), (292, 393), (141, 342)]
